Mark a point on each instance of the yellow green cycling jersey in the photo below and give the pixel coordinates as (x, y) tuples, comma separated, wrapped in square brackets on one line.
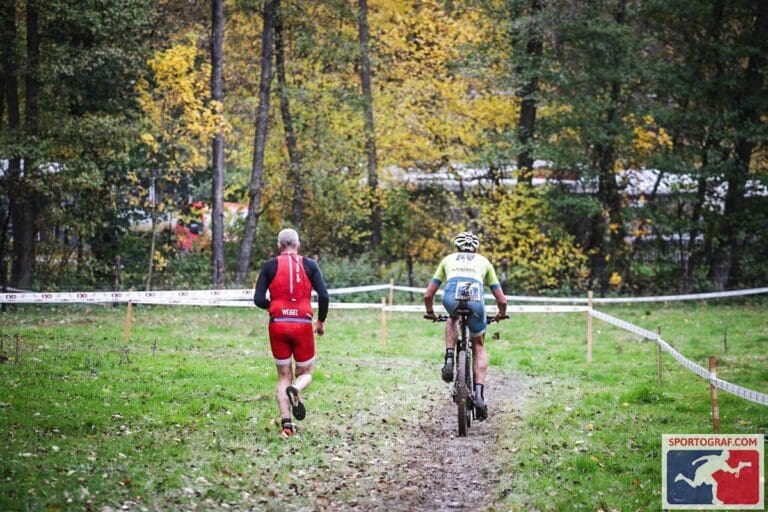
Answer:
[(466, 265)]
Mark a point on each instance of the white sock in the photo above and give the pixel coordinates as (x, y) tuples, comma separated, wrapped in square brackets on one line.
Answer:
[(303, 380)]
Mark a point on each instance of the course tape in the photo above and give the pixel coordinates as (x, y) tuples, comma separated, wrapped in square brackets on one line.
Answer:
[(246, 294), (187, 297), (748, 394), (613, 300)]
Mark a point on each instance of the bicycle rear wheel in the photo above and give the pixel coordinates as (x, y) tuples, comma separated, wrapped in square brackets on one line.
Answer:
[(462, 393)]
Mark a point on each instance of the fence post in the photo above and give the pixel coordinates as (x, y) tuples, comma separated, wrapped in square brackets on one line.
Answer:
[(658, 351), (391, 292), (128, 321), (589, 326), (713, 394), (383, 323)]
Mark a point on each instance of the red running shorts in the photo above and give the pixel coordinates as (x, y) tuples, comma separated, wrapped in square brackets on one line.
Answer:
[(292, 339)]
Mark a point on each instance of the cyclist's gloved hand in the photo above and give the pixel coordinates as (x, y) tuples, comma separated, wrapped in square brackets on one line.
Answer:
[(431, 316), (500, 316)]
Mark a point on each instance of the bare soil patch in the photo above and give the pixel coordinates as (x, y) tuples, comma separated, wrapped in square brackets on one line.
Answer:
[(434, 469)]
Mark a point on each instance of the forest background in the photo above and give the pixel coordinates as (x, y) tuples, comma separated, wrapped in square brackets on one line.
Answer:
[(379, 128)]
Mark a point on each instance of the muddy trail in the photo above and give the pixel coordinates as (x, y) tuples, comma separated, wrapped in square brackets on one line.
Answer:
[(438, 471)]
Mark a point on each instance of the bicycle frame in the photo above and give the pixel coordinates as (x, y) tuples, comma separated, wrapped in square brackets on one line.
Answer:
[(463, 388), (463, 385)]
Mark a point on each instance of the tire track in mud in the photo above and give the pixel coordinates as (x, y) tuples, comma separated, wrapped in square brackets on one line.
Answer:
[(438, 471)]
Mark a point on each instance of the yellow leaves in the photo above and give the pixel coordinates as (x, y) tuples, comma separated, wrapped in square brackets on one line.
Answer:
[(647, 139), (159, 260), (179, 117), (615, 279), (539, 255)]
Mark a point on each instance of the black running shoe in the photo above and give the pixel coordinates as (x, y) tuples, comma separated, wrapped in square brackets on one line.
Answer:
[(298, 409), (448, 372), (481, 409)]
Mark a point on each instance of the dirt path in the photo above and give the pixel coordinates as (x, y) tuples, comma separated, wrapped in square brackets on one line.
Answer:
[(431, 474)]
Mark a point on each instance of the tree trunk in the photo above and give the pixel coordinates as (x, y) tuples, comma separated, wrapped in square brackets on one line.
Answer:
[(24, 198), (153, 235), (290, 135), (370, 131), (217, 94), (610, 236), (3, 242), (259, 142), (8, 71), (732, 233), (693, 261), (526, 124)]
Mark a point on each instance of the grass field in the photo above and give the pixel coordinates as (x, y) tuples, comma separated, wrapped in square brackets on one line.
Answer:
[(183, 416)]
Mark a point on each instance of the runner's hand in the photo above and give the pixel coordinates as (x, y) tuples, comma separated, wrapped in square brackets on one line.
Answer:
[(319, 328), (499, 317), (431, 316)]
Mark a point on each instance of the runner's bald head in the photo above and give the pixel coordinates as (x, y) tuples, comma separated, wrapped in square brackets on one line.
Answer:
[(287, 238)]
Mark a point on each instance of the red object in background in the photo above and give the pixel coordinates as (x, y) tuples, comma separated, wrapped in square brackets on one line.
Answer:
[(183, 237)]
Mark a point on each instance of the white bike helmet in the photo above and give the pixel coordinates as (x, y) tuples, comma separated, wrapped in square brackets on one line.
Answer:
[(466, 242)]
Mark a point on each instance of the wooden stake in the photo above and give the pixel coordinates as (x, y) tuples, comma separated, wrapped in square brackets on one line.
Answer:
[(17, 348), (713, 394), (589, 327), (383, 323), (391, 292), (658, 354), (128, 322)]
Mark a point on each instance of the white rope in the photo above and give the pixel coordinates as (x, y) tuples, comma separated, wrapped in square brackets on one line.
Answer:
[(244, 298), (649, 335), (246, 294), (748, 394)]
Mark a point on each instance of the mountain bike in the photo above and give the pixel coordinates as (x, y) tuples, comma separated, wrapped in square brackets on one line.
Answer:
[(463, 384)]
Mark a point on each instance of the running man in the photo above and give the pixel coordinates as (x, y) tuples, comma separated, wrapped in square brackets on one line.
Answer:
[(704, 474), (290, 279), (464, 270)]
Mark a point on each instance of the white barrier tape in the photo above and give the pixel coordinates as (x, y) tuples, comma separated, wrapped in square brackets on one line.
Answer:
[(680, 358), (138, 297), (413, 308), (357, 289), (196, 302), (247, 294), (748, 394), (649, 335), (628, 300)]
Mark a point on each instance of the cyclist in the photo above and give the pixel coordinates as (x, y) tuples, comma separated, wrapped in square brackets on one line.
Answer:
[(466, 271), (290, 279)]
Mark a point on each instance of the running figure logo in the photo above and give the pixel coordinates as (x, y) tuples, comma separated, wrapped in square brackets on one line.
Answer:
[(714, 478)]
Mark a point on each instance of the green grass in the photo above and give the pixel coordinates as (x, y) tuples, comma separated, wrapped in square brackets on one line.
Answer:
[(184, 413)]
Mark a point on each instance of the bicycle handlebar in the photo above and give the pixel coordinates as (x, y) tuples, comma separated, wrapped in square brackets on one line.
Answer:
[(444, 318)]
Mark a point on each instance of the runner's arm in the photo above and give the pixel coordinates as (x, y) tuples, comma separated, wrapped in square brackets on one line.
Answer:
[(318, 283), (266, 274)]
